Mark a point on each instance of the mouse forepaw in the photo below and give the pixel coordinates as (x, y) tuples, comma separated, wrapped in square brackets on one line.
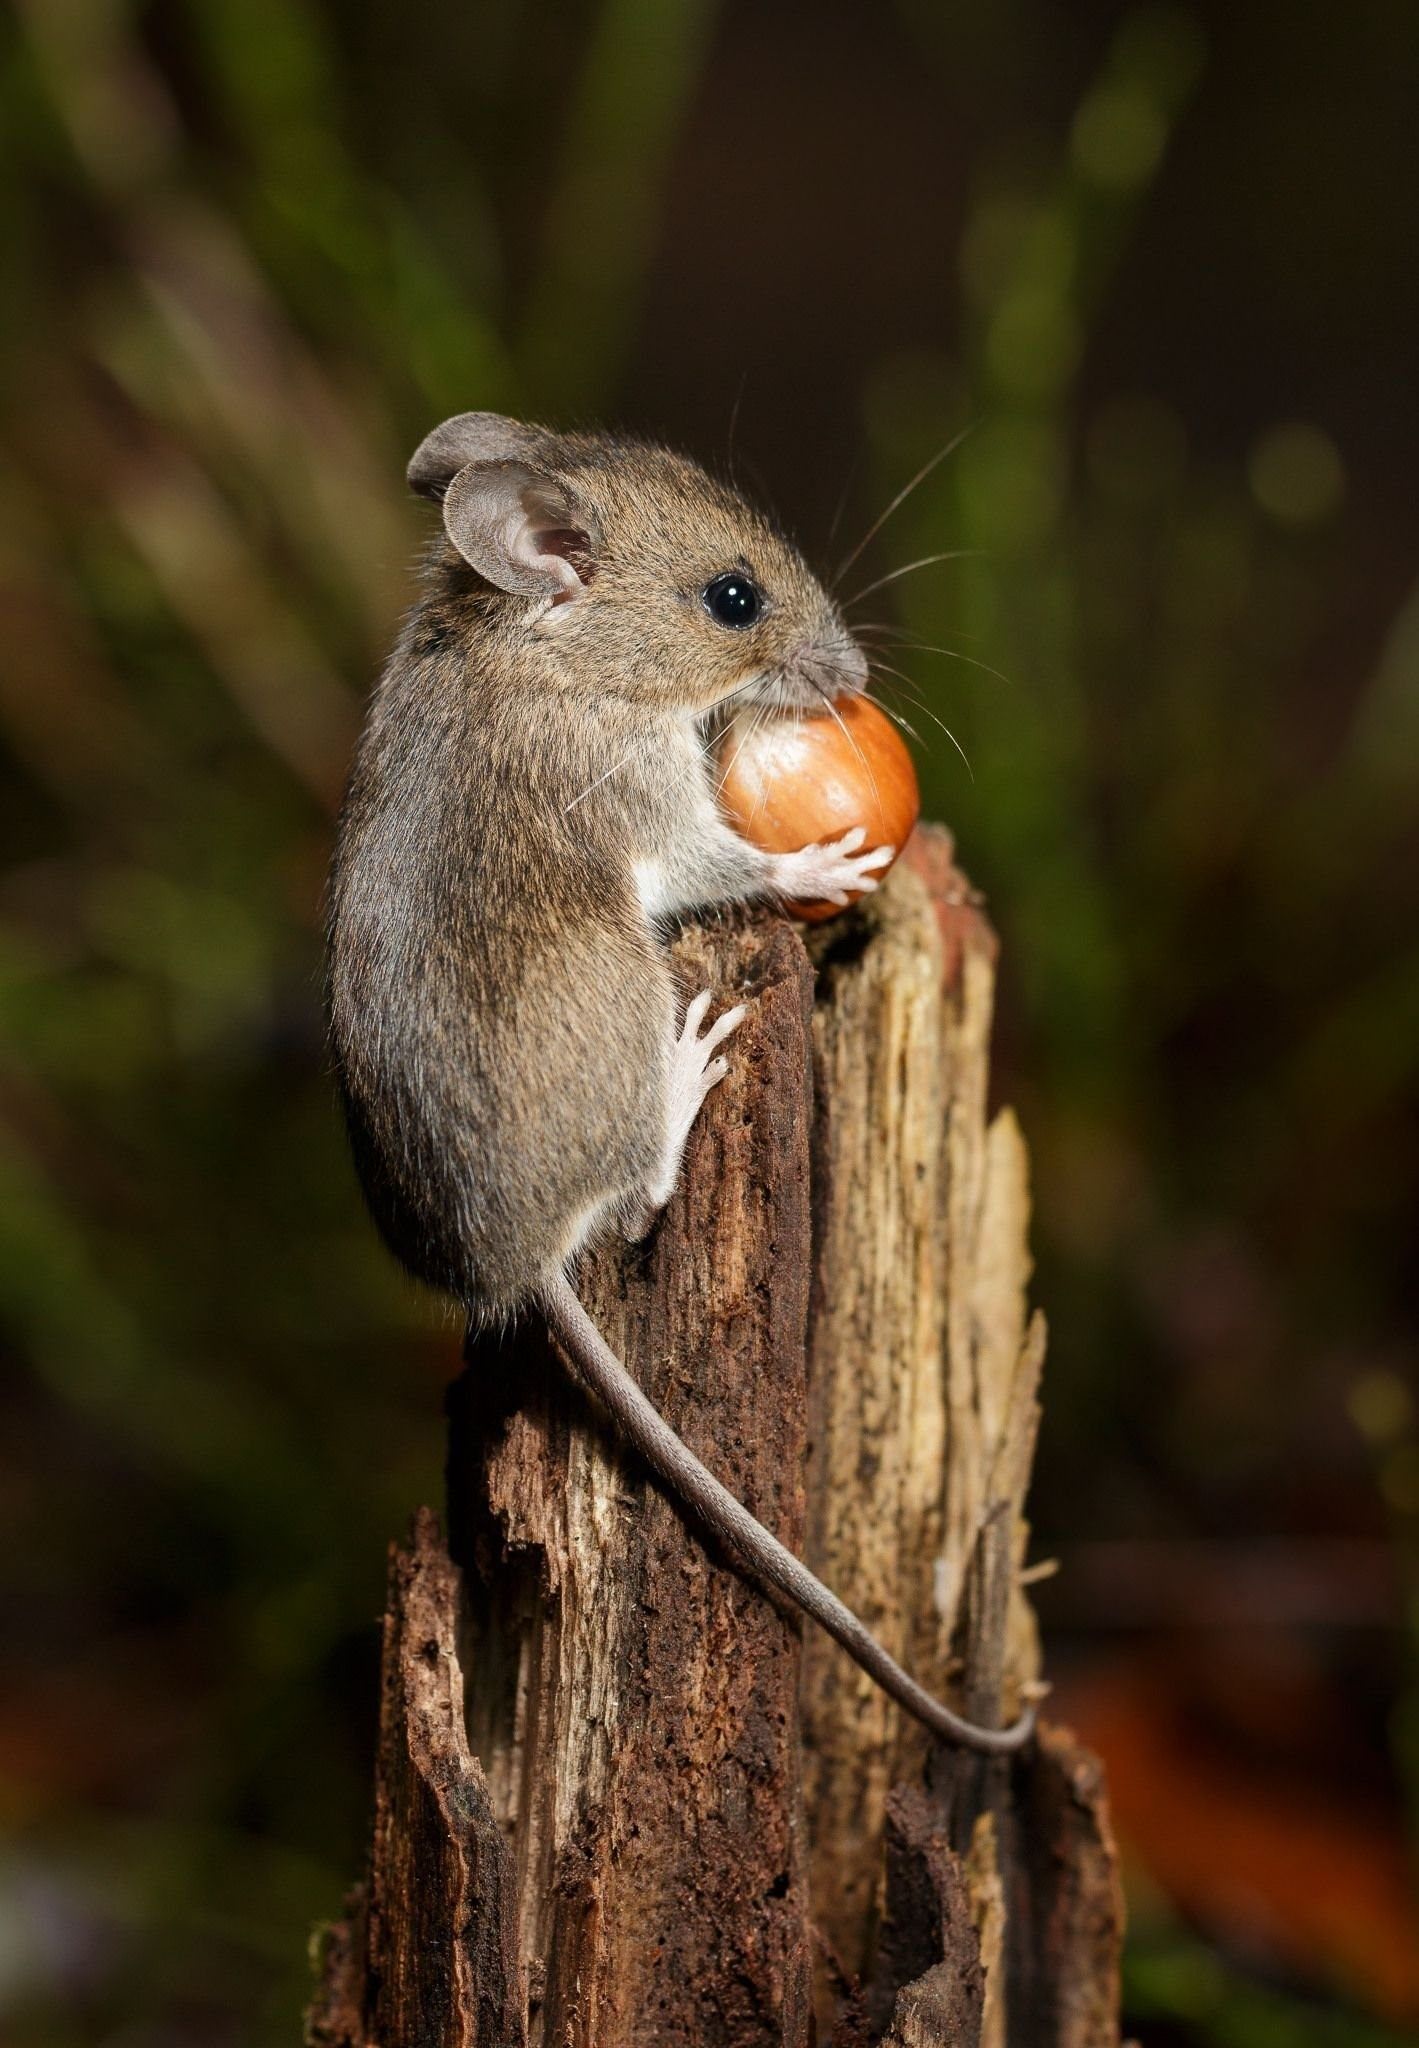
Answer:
[(834, 871)]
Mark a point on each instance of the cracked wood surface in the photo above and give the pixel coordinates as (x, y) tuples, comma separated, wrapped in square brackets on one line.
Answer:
[(622, 1797)]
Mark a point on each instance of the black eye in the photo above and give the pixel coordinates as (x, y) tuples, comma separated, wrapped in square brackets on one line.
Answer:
[(733, 600)]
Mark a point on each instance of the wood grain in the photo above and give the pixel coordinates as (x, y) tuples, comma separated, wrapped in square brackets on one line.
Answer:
[(622, 1801)]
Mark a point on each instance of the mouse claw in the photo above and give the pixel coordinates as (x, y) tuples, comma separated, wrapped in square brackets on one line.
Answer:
[(695, 1014), (725, 1023), (694, 1045), (693, 1072)]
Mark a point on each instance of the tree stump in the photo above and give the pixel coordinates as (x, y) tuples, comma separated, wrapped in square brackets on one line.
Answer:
[(623, 1798)]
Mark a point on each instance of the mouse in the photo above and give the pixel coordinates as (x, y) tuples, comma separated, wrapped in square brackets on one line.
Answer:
[(530, 811)]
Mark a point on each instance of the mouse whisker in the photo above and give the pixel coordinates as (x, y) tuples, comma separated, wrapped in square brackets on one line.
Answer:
[(755, 721), (598, 782), (734, 419), (841, 722), (925, 562), (896, 717), (955, 654), (891, 635), (841, 506), (709, 724), (883, 669), (763, 790), (908, 643), (920, 478), (904, 686)]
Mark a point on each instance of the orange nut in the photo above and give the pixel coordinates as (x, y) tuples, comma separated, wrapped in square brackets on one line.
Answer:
[(792, 782)]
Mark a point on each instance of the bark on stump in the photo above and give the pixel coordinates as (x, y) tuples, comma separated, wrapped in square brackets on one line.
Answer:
[(623, 1799)]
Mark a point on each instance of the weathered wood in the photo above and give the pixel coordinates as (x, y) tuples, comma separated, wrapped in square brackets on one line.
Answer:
[(936, 2009), (1065, 1926), (642, 1746), (928, 1924), (429, 1952), (680, 1826), (923, 1384)]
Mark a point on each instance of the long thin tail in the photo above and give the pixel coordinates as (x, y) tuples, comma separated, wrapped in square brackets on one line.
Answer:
[(603, 1376)]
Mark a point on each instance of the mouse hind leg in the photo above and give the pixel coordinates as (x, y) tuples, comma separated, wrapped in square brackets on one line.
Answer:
[(692, 1070)]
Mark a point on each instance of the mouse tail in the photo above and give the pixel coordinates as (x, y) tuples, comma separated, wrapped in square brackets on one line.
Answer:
[(601, 1374)]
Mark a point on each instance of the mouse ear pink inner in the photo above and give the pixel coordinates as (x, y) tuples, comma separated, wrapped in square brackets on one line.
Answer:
[(520, 529), (471, 437)]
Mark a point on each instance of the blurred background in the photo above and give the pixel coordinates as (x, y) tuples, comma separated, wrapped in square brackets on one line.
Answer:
[(1159, 263)]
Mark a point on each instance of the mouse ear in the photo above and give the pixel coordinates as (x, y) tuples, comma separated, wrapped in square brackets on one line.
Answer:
[(521, 529), (471, 437)]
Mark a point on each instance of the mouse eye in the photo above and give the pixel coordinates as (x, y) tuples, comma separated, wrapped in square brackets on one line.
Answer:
[(733, 599)]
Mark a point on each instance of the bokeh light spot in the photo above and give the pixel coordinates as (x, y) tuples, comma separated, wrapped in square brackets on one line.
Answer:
[(1118, 137), (1296, 474)]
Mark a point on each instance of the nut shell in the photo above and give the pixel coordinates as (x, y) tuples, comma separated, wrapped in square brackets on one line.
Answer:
[(790, 782)]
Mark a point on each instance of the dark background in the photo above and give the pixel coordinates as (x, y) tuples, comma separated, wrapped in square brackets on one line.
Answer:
[(1160, 262)]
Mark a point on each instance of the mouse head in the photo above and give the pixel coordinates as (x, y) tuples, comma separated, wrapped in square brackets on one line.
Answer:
[(626, 563)]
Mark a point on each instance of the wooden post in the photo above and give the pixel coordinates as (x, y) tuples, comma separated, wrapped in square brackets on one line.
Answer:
[(623, 1799)]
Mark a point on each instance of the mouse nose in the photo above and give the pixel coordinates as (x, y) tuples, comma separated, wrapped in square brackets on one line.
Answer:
[(852, 666)]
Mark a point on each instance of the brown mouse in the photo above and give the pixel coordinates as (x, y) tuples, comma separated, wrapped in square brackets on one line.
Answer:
[(531, 801)]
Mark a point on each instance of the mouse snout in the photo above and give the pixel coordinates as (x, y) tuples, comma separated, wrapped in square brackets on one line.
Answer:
[(833, 666)]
